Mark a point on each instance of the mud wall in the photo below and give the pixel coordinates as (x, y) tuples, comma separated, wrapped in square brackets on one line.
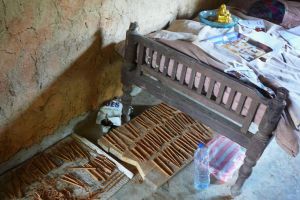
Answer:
[(57, 59)]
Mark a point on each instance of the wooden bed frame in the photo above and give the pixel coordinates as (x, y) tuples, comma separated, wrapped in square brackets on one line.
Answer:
[(202, 106)]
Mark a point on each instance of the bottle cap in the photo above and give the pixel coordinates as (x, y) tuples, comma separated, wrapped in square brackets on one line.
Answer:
[(201, 145)]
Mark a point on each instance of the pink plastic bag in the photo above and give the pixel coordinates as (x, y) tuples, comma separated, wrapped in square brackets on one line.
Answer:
[(226, 157)]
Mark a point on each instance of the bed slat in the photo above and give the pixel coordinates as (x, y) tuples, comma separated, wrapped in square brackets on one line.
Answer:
[(150, 57), (183, 74), (220, 93), (141, 54), (230, 98), (158, 59), (240, 105), (166, 66), (250, 115), (192, 79), (174, 70), (201, 83), (210, 88)]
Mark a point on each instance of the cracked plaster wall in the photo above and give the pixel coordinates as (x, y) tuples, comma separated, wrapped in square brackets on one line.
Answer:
[(57, 59)]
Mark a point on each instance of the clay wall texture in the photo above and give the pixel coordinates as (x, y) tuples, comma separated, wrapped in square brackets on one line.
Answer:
[(57, 59)]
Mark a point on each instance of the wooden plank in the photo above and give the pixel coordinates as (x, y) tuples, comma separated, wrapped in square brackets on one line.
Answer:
[(183, 74), (250, 115), (201, 83), (158, 59), (166, 66), (230, 98), (192, 79), (220, 93), (240, 105), (210, 88), (149, 58), (174, 70), (141, 55)]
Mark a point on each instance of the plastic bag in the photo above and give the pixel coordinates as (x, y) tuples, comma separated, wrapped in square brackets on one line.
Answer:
[(225, 156), (109, 115)]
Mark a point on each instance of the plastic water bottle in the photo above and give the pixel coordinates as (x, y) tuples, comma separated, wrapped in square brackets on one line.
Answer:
[(201, 161)]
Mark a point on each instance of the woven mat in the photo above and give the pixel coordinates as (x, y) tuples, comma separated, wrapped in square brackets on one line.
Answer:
[(159, 142)]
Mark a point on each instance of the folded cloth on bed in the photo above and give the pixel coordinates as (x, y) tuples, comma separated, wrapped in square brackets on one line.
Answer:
[(292, 36), (275, 70)]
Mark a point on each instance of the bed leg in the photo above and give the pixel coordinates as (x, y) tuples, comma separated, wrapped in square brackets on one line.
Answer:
[(256, 147), (126, 101), (129, 65), (261, 139)]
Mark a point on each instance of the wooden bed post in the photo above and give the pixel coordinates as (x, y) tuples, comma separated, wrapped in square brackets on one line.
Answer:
[(261, 139), (130, 56), (131, 45)]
